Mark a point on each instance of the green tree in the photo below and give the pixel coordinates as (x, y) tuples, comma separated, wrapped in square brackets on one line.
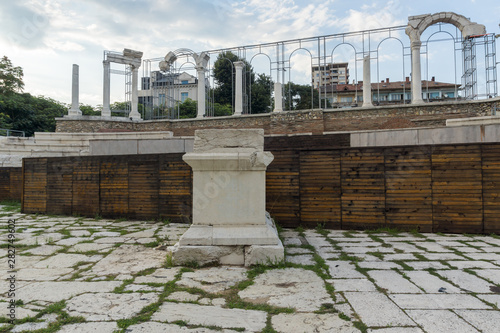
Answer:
[(11, 78), (262, 94), (187, 109), (299, 96), (222, 110), (89, 110), (24, 112)]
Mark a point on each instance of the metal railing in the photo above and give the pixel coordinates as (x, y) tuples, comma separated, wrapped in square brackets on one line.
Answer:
[(9, 132)]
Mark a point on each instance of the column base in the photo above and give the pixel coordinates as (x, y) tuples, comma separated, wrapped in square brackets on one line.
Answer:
[(135, 115), (229, 245), (74, 113)]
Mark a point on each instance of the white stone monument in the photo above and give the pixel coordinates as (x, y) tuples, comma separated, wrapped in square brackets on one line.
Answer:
[(230, 224)]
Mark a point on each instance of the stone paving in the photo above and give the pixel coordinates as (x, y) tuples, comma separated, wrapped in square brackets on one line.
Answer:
[(77, 274)]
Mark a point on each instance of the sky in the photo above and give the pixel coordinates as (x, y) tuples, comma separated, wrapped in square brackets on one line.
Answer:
[(45, 37)]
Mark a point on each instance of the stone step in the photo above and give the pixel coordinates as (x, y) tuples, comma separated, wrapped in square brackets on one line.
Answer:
[(40, 152), (42, 137), (48, 146)]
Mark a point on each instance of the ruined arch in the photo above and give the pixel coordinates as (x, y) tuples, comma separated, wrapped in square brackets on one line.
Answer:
[(417, 25)]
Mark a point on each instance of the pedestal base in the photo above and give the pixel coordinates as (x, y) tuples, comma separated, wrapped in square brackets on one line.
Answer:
[(229, 245)]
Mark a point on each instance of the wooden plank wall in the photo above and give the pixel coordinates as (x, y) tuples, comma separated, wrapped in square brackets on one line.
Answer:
[(138, 187), (10, 183), (449, 188)]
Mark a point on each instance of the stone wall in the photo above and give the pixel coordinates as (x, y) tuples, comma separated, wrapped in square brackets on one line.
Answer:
[(307, 121)]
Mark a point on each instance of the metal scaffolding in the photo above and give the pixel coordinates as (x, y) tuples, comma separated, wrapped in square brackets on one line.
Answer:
[(280, 61)]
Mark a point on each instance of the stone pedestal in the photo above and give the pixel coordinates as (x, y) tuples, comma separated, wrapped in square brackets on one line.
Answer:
[(230, 224)]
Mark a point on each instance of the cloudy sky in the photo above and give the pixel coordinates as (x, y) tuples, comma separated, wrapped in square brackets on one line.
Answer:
[(45, 37)]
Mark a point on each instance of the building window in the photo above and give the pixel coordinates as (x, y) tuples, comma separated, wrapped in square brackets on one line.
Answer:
[(184, 96), (346, 99), (161, 99), (184, 82)]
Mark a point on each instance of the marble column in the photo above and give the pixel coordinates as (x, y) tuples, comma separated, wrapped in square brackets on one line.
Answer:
[(278, 97), (134, 113), (106, 111), (367, 83), (238, 99), (201, 92), (75, 104), (416, 75)]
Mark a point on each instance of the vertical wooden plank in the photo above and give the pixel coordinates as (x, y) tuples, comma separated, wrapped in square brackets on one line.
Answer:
[(16, 184), (175, 188), (282, 188), (113, 186), (4, 183), (35, 185), (363, 188), (86, 186), (491, 187), (320, 188), (457, 189), (408, 187), (143, 188), (59, 186)]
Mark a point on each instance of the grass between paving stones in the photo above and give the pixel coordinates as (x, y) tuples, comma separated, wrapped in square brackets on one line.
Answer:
[(404, 265), (12, 206), (63, 318)]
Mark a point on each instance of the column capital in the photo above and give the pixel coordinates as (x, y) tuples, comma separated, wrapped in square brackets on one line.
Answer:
[(239, 64)]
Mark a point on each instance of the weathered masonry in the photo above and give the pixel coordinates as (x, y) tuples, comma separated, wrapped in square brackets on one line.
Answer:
[(313, 180), (295, 122)]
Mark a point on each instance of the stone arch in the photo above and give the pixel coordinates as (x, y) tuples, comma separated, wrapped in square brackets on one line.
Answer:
[(417, 25)]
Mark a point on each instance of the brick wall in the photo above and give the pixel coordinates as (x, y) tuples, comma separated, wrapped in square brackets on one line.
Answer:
[(307, 121)]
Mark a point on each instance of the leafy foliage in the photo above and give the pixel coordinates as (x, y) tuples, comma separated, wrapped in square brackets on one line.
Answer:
[(24, 112), (299, 96), (224, 76), (11, 78)]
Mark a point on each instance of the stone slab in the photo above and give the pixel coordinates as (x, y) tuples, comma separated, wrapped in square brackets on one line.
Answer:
[(130, 259), (491, 274), (431, 284), (343, 270), (183, 296), (493, 299), (437, 301), (290, 287), (393, 282), (108, 306), (99, 327), (466, 281), (58, 291), (311, 322), (396, 330), (301, 260), (439, 321), (154, 327), (486, 321), (250, 320), (213, 279), (353, 285), (375, 309), (209, 140), (161, 275), (426, 264), (65, 260), (43, 274)]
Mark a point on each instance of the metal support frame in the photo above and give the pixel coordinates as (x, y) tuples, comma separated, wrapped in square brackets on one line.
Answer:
[(324, 50)]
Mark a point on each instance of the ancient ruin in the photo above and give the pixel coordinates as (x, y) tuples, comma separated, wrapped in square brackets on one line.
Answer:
[(230, 224)]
